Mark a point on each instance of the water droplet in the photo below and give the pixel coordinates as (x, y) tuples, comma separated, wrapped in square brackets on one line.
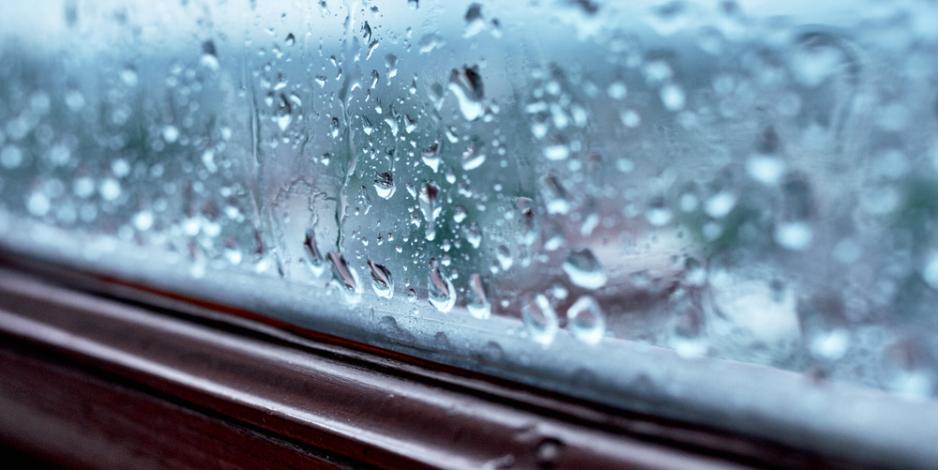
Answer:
[(390, 62), (587, 322), (430, 42), (503, 255), (672, 96), (314, 259), (441, 293), (170, 133), (143, 220), (384, 185), (630, 118), (429, 195), (382, 283), (431, 156), (795, 236), (38, 204), (290, 39), (209, 55), (11, 156), (617, 90), (830, 345), (556, 196), (584, 269), (466, 85), (345, 277), (720, 204), (557, 151), (473, 234), (478, 303), (473, 157), (765, 169), (658, 214), (475, 23), (540, 319), (110, 189), (129, 76), (548, 452)]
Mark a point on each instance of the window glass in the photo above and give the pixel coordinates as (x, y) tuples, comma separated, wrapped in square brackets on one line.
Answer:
[(611, 199)]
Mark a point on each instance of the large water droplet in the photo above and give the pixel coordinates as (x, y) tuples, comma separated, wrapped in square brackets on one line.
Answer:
[(584, 269), (475, 23), (473, 234), (466, 85), (556, 196), (540, 319), (431, 156), (384, 185), (345, 277), (587, 322), (429, 196), (382, 283), (474, 156), (478, 305), (441, 293), (314, 258)]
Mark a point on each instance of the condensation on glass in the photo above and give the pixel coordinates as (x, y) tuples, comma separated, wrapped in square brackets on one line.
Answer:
[(528, 188)]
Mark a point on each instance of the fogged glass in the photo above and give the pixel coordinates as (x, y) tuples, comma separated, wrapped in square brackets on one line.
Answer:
[(747, 180)]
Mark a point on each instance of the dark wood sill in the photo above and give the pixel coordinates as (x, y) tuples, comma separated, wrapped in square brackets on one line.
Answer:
[(148, 380)]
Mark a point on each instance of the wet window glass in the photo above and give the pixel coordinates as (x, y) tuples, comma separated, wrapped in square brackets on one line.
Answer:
[(609, 199)]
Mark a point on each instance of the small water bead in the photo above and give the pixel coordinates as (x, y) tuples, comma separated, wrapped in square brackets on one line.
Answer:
[(290, 40), (584, 270), (504, 257), (382, 282), (11, 157), (586, 320), (556, 152), (129, 76), (143, 220), (473, 234), (672, 96), (540, 319), (38, 204), (478, 303), (794, 236), (459, 214), (430, 42), (658, 214), (110, 189), (720, 204), (765, 169), (170, 133), (830, 345), (441, 293), (630, 118), (617, 90)]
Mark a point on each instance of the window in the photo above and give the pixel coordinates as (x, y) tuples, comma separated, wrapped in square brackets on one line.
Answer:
[(719, 212)]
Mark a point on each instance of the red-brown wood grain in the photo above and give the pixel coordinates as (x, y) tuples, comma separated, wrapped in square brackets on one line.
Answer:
[(320, 401)]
